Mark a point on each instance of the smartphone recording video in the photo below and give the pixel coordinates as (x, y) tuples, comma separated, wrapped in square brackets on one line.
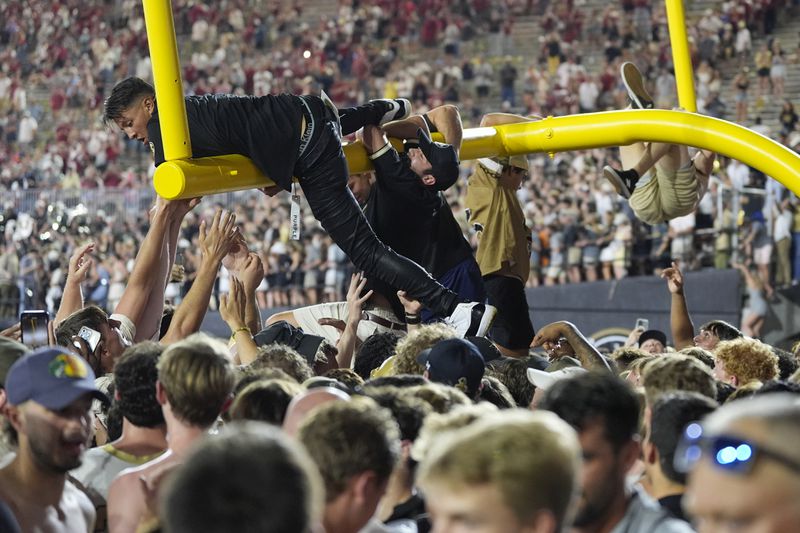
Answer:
[(91, 336), (642, 323), (33, 327)]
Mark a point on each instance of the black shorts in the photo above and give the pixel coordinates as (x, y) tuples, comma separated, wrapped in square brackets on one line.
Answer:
[(512, 327)]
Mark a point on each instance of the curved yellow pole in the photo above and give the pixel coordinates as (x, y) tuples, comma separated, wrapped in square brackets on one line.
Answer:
[(167, 79), (681, 57), (198, 177)]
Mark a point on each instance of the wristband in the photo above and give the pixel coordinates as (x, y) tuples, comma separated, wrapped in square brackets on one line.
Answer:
[(237, 330), (412, 319)]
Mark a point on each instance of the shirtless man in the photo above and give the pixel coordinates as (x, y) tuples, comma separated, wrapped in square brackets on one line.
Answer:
[(195, 380), (50, 395)]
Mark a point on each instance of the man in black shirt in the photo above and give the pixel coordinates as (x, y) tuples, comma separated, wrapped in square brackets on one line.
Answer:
[(407, 208), (288, 135)]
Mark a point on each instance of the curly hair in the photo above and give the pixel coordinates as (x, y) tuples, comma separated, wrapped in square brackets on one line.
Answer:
[(285, 358), (408, 349), (442, 398), (702, 355), (513, 373), (373, 351), (747, 359), (135, 376), (345, 376), (624, 357)]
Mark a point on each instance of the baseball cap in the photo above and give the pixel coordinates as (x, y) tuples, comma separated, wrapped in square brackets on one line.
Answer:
[(282, 332), (455, 362), (542, 379), (52, 377), (443, 159), (658, 335), (488, 350)]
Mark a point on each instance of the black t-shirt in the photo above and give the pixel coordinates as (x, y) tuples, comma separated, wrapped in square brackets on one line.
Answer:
[(412, 219), (264, 128)]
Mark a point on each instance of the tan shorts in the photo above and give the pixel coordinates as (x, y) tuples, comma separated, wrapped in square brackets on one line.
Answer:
[(667, 195), (307, 317)]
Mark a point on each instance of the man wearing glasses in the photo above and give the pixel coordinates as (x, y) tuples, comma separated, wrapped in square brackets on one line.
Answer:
[(504, 241), (744, 467)]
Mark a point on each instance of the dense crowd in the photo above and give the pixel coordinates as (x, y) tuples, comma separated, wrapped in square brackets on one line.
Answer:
[(122, 417), (461, 55)]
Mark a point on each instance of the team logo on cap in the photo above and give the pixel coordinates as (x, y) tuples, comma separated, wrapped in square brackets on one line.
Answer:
[(67, 366), (462, 385)]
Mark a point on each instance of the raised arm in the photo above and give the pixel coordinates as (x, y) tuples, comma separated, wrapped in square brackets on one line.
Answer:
[(232, 309), (72, 299), (214, 244), (551, 334), (355, 302), (498, 119), (446, 119), (679, 319), (143, 299)]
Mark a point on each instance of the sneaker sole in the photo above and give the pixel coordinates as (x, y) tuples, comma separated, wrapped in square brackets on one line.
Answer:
[(482, 318), (634, 84), (391, 116), (619, 185)]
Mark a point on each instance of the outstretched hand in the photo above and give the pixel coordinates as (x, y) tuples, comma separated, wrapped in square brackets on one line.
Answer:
[(410, 306), (80, 262), (551, 338), (251, 273), (674, 278), (355, 301), (233, 305), (216, 239)]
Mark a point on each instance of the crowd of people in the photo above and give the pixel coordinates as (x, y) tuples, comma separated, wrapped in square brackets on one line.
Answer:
[(282, 431), (461, 56), (369, 406)]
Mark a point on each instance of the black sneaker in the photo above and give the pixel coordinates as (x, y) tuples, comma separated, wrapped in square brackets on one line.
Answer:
[(624, 181), (398, 109), (634, 83)]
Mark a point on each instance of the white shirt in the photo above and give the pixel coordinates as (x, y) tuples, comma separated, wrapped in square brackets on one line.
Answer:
[(783, 226)]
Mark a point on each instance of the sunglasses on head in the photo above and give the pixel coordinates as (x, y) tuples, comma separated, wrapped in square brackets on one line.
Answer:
[(727, 452)]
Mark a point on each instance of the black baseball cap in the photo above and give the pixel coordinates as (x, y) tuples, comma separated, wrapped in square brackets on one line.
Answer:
[(656, 334), (455, 362), (443, 159)]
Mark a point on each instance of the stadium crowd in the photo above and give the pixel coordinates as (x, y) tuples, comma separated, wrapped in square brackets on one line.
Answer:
[(126, 418), (432, 53)]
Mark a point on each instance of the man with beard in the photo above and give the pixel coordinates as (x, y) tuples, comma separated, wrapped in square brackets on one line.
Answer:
[(604, 411), (50, 395)]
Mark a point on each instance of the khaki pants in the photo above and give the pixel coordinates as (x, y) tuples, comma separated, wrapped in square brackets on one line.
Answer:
[(783, 264), (667, 195)]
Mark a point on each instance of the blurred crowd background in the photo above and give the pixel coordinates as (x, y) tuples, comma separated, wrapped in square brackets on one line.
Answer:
[(67, 179)]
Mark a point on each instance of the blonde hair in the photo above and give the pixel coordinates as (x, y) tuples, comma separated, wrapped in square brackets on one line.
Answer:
[(675, 372), (405, 361), (437, 425), (532, 459), (747, 359), (197, 378)]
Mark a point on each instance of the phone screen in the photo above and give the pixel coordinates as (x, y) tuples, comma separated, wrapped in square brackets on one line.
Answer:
[(642, 323), (33, 326)]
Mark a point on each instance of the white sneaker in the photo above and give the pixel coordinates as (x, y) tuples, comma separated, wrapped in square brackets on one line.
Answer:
[(472, 319), (399, 108)]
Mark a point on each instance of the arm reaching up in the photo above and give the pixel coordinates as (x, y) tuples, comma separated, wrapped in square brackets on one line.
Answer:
[(232, 309), (251, 274), (72, 299), (355, 302), (551, 334), (214, 244), (679, 319), (143, 299)]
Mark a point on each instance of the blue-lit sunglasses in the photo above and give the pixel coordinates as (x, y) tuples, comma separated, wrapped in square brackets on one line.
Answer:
[(730, 453)]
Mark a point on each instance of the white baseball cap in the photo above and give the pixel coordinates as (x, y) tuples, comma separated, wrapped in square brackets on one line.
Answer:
[(544, 380)]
